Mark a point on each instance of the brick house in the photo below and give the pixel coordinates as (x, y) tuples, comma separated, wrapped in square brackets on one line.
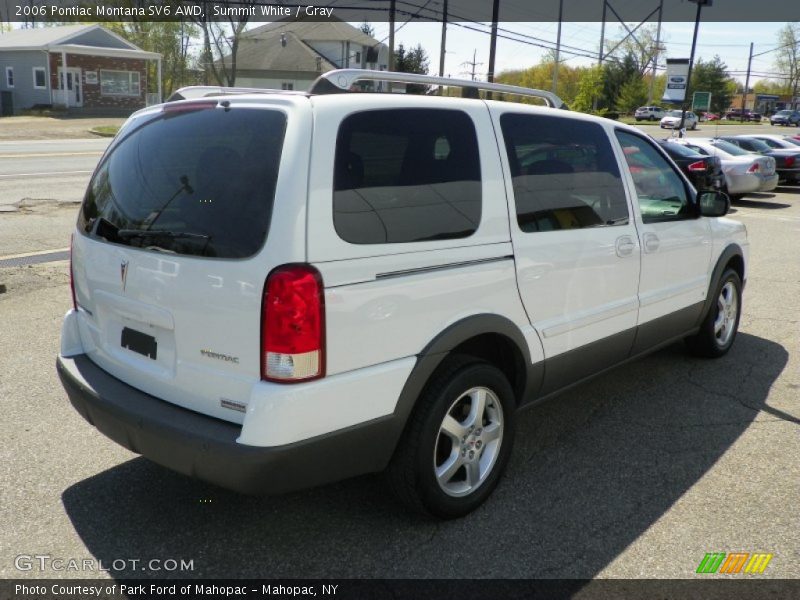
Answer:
[(79, 67)]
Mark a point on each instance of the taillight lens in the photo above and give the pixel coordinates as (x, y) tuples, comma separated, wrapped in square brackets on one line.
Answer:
[(754, 168), (700, 165), (789, 161), (293, 325), (71, 274)]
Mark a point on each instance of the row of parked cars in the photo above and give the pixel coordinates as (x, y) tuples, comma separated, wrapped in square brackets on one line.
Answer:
[(670, 119), (739, 164)]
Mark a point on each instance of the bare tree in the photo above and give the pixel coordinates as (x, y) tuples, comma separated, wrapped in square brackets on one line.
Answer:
[(221, 42), (640, 45), (787, 57)]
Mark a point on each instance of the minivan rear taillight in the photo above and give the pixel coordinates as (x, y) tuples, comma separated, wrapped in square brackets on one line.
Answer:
[(71, 273), (293, 325), (754, 168)]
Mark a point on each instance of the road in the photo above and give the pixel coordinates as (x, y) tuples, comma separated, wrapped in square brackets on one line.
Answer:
[(637, 474), (47, 170)]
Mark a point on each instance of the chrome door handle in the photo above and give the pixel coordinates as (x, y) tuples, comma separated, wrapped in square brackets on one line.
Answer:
[(651, 242), (624, 246)]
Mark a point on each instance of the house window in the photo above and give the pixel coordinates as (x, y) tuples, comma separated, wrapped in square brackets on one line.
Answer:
[(119, 83), (358, 58), (39, 78), (287, 86), (10, 77)]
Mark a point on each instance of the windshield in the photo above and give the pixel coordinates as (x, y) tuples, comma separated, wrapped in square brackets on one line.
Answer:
[(729, 148), (675, 113), (784, 112), (198, 182)]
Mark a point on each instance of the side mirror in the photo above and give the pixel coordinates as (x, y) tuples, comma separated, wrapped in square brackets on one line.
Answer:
[(713, 204)]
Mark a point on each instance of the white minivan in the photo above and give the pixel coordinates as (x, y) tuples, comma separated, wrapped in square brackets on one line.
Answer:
[(274, 290)]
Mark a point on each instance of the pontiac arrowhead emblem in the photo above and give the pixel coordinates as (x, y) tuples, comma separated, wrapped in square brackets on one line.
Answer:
[(123, 273)]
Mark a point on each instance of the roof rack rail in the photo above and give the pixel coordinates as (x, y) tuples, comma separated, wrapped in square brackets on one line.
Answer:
[(194, 92), (341, 80)]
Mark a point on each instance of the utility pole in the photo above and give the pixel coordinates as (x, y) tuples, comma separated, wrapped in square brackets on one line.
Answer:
[(391, 43), (443, 45), (747, 82), (444, 40), (493, 41), (558, 45), (473, 64), (700, 4), (655, 55), (391, 35), (602, 35)]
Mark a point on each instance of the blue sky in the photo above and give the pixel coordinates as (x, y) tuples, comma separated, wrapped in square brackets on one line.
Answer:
[(730, 40)]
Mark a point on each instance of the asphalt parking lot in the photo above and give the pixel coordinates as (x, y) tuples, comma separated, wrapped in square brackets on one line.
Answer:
[(637, 474)]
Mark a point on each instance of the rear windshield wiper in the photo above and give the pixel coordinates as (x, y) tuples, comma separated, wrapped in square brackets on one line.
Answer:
[(128, 234)]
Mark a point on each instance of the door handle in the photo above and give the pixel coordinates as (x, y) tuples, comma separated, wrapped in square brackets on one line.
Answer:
[(651, 242), (625, 246)]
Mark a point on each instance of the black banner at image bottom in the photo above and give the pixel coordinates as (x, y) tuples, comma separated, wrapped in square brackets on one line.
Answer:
[(398, 589)]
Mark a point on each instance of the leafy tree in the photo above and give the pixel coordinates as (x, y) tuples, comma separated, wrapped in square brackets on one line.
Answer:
[(712, 76), (590, 87), (414, 60), (617, 74), (632, 95)]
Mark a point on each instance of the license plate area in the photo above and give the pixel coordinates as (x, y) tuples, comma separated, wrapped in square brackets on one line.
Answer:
[(139, 342)]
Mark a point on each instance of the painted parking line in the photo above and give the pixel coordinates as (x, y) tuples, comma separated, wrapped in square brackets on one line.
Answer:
[(45, 173), (51, 154), (33, 258)]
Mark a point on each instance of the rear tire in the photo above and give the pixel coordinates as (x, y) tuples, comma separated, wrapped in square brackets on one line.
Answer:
[(718, 330), (457, 442)]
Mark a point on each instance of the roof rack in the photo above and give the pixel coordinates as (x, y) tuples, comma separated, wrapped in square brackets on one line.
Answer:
[(194, 92), (341, 80)]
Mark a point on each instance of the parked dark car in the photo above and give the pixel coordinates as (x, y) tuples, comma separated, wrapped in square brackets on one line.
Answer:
[(735, 114), (787, 161), (785, 117), (705, 172)]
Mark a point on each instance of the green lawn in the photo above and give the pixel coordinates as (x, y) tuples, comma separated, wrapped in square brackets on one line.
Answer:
[(105, 130)]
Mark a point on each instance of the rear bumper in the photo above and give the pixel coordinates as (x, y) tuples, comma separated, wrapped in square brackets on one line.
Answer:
[(207, 448), (769, 183)]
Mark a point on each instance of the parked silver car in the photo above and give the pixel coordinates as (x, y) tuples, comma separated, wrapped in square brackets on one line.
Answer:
[(745, 172)]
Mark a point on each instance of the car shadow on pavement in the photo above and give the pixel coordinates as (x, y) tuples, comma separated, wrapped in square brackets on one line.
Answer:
[(760, 201), (591, 471)]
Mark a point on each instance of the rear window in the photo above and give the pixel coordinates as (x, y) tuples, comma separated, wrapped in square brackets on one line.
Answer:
[(680, 150), (198, 182), (731, 149), (406, 175)]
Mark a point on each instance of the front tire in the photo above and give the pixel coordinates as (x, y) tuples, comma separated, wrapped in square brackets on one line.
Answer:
[(719, 328), (458, 440)]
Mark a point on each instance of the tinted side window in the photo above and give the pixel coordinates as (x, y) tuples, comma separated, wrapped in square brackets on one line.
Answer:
[(662, 193), (564, 173), (406, 175)]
